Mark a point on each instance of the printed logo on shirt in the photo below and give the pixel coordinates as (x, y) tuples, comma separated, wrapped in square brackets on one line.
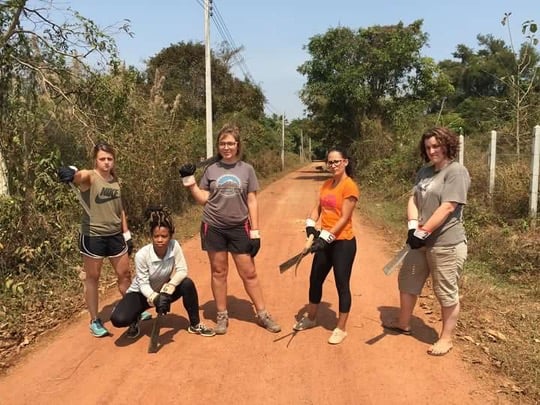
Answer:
[(424, 185), (329, 202), (107, 194), (228, 185)]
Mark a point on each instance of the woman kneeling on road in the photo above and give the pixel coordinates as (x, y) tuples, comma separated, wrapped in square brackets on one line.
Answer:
[(161, 278)]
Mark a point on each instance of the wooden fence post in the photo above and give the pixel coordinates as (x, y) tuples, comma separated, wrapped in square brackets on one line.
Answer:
[(535, 166)]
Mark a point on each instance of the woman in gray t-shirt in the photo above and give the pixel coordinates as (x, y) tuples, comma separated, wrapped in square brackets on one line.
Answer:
[(436, 234)]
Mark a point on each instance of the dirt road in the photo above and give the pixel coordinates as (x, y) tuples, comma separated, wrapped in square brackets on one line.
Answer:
[(249, 365)]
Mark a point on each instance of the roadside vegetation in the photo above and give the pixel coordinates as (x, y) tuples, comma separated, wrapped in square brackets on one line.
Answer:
[(63, 89)]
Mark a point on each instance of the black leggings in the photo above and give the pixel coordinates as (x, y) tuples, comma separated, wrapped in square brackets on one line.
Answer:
[(339, 255), (133, 304)]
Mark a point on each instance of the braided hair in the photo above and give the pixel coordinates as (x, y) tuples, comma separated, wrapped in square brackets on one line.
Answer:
[(159, 216)]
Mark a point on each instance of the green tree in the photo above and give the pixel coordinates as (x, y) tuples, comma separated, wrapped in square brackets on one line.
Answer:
[(497, 86), (42, 66), (181, 67), (354, 76), (523, 79)]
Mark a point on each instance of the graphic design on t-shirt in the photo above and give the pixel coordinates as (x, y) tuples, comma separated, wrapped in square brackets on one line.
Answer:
[(107, 194), (329, 202), (228, 185), (424, 185)]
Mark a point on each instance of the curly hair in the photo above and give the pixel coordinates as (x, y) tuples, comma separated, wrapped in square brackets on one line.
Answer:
[(447, 138), (159, 216)]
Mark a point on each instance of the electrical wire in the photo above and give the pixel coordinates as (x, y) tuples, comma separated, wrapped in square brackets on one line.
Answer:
[(230, 46)]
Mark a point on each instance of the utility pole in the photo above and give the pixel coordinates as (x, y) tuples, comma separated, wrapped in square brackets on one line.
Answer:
[(208, 77), (302, 146)]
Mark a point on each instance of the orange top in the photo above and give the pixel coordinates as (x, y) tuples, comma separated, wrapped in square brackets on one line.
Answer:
[(331, 202)]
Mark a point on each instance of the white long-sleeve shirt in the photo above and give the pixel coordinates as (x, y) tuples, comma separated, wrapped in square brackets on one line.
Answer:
[(152, 272)]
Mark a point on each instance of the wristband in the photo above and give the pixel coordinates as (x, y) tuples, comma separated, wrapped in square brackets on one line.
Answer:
[(74, 168), (188, 181), (254, 234), (327, 236), (127, 235), (151, 299), (422, 233), (310, 222), (168, 288), (412, 223)]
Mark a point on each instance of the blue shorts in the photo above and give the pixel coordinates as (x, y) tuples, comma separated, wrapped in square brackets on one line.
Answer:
[(99, 247), (235, 239)]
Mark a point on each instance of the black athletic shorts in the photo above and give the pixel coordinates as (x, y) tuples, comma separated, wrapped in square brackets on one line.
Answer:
[(235, 239), (98, 247)]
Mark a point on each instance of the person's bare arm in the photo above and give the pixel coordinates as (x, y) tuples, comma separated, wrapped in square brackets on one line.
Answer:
[(412, 209), (440, 215), (200, 195), (83, 179), (253, 208)]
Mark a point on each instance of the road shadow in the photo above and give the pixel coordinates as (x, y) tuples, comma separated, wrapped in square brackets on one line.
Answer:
[(420, 330), (105, 313), (238, 308), (314, 178), (317, 173), (326, 318), (169, 325)]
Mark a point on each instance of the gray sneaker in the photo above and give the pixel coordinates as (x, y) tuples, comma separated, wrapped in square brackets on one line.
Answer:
[(305, 323), (266, 321), (222, 323)]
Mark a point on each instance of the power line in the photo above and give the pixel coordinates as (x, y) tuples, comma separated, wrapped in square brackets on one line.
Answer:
[(230, 45)]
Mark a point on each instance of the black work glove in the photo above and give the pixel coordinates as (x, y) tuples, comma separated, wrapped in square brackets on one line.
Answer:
[(163, 303), (322, 242), (66, 174), (311, 230), (186, 173), (187, 170), (413, 241), (129, 242), (318, 245), (255, 245), (254, 242)]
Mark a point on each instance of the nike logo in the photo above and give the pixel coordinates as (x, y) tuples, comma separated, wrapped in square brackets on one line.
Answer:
[(106, 195)]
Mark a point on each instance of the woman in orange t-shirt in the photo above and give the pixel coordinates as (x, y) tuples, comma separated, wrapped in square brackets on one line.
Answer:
[(335, 244)]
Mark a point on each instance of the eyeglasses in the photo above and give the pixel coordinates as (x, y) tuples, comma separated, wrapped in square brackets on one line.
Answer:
[(229, 144), (334, 162)]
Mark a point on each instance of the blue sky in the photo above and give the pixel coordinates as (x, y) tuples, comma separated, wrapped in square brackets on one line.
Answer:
[(273, 32)]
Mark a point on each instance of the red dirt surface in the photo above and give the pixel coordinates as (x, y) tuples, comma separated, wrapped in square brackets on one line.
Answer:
[(249, 365)]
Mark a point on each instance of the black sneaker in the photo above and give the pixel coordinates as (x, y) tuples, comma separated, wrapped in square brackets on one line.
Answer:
[(133, 330), (201, 329)]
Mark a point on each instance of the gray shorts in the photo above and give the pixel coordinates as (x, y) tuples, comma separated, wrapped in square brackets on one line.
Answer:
[(444, 263)]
